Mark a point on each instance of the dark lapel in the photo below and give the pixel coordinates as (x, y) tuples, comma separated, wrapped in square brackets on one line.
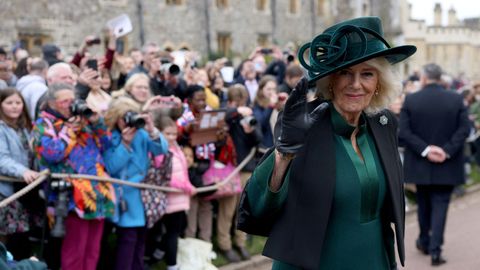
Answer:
[(385, 146), (384, 136)]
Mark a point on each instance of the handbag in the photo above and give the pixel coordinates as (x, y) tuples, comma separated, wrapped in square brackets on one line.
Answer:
[(155, 201), (220, 169), (216, 173)]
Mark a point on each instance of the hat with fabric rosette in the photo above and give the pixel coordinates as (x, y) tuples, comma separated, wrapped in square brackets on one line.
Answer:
[(346, 44)]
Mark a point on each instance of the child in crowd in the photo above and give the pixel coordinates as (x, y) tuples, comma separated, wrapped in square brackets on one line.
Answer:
[(128, 159), (200, 214), (175, 217), (15, 159)]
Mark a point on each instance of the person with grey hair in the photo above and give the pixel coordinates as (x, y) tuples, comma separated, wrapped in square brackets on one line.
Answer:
[(72, 141), (60, 73), (432, 72), (433, 127), (149, 52), (34, 85)]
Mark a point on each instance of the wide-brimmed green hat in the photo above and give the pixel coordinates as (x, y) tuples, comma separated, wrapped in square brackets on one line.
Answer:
[(348, 43)]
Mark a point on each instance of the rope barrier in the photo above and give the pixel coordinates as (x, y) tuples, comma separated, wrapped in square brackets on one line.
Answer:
[(44, 174), (231, 175), (26, 189)]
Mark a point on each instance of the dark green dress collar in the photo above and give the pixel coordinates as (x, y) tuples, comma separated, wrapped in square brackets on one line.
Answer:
[(342, 127)]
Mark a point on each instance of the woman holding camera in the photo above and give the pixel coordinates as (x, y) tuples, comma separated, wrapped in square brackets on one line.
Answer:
[(134, 137), (70, 138), (266, 106)]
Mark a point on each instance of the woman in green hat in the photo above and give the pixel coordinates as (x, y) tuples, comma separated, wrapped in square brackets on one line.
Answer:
[(329, 195)]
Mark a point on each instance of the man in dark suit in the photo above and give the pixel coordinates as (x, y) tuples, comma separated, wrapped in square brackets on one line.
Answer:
[(433, 127)]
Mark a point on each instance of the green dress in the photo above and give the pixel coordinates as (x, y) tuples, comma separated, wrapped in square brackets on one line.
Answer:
[(355, 236)]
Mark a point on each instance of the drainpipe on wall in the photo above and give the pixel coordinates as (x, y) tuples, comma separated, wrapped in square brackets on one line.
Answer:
[(313, 17), (273, 8), (207, 27), (140, 22)]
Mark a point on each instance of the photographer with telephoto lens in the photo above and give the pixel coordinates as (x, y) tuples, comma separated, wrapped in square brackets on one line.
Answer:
[(70, 138), (134, 138)]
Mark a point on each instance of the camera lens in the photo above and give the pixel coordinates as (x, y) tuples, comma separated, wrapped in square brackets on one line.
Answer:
[(80, 108), (133, 119)]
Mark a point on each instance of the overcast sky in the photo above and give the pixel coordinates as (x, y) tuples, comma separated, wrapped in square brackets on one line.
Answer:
[(423, 9)]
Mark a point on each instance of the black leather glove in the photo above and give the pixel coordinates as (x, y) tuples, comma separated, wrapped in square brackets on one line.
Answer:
[(296, 120)]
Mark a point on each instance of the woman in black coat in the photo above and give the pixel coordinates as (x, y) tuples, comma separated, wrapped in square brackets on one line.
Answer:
[(328, 193)]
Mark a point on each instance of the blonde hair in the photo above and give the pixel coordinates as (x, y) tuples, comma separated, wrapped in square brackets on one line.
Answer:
[(117, 109), (126, 90), (389, 86)]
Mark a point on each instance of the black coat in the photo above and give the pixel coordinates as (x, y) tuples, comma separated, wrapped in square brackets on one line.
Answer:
[(296, 232), (434, 116)]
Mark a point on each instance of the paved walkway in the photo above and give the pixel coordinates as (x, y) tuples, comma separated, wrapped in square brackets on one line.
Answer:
[(461, 248), (462, 237)]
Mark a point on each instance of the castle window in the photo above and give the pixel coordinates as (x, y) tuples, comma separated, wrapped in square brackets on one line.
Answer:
[(321, 7), (222, 4), (174, 2), (224, 42), (263, 40), (33, 42), (262, 5), (293, 7)]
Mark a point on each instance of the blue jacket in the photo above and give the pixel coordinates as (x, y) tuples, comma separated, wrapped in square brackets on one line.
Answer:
[(132, 165), (14, 157)]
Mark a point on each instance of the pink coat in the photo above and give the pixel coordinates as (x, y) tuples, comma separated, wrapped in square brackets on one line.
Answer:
[(177, 201)]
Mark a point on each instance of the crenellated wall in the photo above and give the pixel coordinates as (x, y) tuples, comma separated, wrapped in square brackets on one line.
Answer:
[(456, 47)]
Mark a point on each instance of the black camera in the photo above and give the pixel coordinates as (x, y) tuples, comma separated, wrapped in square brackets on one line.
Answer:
[(170, 68), (133, 119), (123, 205), (62, 188), (266, 51), (80, 108), (92, 63), (94, 41), (249, 120)]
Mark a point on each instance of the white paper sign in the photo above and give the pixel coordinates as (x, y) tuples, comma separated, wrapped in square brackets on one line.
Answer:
[(227, 74), (120, 25)]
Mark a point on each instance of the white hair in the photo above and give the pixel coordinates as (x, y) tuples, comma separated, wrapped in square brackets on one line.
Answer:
[(52, 71)]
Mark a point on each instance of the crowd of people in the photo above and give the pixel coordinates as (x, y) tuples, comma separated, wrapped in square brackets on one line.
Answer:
[(132, 117)]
